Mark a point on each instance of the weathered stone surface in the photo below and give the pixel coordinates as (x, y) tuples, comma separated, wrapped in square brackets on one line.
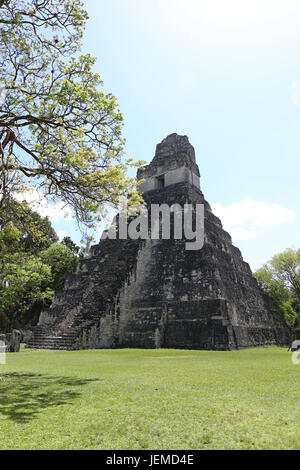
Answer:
[(155, 293), (12, 341)]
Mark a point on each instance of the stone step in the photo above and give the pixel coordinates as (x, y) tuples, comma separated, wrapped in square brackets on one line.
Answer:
[(40, 341), (50, 342), (51, 345), (54, 338), (53, 348)]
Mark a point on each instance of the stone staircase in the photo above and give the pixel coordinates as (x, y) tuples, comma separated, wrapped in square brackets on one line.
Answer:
[(86, 297), (41, 339)]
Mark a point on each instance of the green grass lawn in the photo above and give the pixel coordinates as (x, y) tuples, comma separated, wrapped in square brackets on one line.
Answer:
[(150, 399)]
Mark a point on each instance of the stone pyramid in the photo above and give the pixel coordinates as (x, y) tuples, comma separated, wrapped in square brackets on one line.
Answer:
[(155, 293)]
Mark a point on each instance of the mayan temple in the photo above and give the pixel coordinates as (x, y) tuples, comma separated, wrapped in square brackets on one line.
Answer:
[(148, 293)]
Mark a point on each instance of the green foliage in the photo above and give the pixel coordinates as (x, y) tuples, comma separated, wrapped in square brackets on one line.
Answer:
[(68, 242), (62, 261), (10, 238), (32, 265), (25, 281), (81, 251), (286, 267), (290, 315), (275, 288), (59, 131), (36, 232), (280, 279)]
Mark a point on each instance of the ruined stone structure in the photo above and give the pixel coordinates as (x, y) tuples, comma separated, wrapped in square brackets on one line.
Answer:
[(155, 293), (10, 342)]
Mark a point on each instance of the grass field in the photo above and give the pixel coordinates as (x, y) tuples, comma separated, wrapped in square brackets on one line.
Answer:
[(150, 399)]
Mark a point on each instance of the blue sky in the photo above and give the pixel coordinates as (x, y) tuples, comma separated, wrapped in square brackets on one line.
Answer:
[(227, 75)]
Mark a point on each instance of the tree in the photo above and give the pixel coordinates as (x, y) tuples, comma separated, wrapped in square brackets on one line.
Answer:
[(10, 238), (280, 279), (36, 232), (59, 132), (289, 313), (24, 290), (286, 268), (275, 288), (68, 242), (62, 262), (32, 265)]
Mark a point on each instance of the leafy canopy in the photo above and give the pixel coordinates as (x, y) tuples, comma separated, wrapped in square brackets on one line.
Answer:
[(35, 232), (280, 279), (32, 264), (61, 260), (286, 268), (59, 131)]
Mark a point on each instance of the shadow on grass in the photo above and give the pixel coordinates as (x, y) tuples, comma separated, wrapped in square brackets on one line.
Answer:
[(24, 396)]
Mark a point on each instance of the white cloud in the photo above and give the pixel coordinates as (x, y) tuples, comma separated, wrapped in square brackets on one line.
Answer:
[(237, 23), (237, 13), (241, 218), (54, 210), (253, 267), (62, 234), (241, 233)]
